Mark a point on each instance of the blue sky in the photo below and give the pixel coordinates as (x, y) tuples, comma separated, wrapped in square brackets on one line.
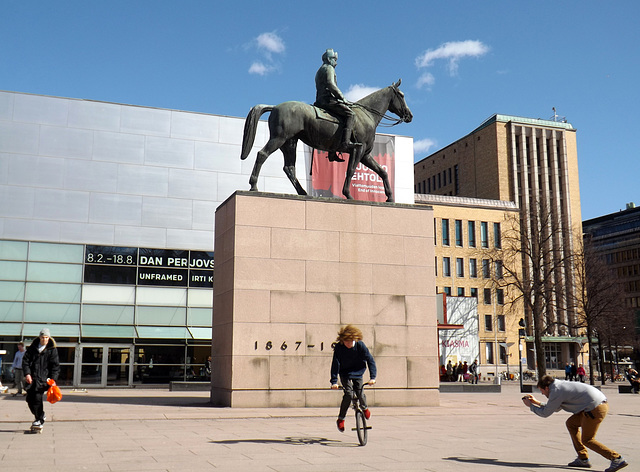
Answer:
[(460, 62)]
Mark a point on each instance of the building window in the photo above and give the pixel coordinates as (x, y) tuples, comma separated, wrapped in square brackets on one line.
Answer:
[(489, 353), (445, 232), (487, 296), (473, 268), (500, 296), (486, 268), (436, 266), (488, 323), (484, 234), (498, 267), (461, 291), (458, 224), (446, 267), (501, 325), (497, 240), (474, 292), (459, 266), (503, 354), (456, 177), (552, 354), (447, 291), (472, 233)]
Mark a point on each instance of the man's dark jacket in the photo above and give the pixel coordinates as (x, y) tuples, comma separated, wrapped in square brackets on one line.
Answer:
[(41, 365)]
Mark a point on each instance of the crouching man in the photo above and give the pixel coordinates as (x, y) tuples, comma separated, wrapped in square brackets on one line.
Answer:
[(589, 407)]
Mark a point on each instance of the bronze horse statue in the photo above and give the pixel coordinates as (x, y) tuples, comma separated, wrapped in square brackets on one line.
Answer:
[(291, 121)]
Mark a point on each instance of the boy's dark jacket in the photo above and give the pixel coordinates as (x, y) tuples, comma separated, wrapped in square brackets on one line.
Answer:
[(41, 365), (352, 362)]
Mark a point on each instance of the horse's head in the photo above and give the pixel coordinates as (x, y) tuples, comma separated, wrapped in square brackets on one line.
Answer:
[(398, 104)]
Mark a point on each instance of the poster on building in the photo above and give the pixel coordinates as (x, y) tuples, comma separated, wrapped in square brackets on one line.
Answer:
[(460, 345), (327, 178)]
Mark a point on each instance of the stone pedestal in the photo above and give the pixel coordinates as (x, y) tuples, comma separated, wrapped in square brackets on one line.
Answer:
[(290, 271)]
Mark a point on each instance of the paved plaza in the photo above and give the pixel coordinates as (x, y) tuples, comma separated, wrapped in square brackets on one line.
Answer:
[(159, 430)]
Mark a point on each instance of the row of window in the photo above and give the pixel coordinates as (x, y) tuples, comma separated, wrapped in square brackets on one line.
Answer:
[(18, 312), (628, 270), (473, 268), (441, 179), (486, 295), (633, 302), (471, 234), (489, 353)]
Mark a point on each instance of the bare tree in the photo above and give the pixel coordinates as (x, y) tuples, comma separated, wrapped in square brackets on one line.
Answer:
[(536, 264), (597, 301)]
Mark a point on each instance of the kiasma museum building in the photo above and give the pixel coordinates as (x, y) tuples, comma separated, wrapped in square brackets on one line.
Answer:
[(107, 229)]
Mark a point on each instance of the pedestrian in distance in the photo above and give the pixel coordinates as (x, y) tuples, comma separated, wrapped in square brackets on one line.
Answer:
[(634, 379), (16, 368), (449, 371), (351, 357), (589, 408), (567, 372), (40, 362), (581, 373), (473, 371)]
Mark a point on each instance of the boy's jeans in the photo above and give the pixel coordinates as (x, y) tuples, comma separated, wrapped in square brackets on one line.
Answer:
[(350, 386)]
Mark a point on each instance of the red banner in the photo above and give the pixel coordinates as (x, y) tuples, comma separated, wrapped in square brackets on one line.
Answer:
[(327, 178)]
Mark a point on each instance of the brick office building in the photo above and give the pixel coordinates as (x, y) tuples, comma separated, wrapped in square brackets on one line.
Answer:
[(532, 163)]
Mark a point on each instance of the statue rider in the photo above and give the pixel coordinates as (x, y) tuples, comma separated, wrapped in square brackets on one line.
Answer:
[(329, 97)]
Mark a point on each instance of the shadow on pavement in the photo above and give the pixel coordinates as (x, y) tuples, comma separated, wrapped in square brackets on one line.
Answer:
[(301, 441), (499, 463)]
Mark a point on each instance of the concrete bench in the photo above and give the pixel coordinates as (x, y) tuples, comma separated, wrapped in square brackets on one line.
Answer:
[(460, 387), (625, 389), (190, 386)]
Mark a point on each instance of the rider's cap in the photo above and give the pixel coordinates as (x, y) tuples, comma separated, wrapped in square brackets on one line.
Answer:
[(329, 53)]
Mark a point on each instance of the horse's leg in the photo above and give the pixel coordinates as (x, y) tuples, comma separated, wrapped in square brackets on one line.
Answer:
[(272, 146), (372, 164), (289, 151), (354, 159)]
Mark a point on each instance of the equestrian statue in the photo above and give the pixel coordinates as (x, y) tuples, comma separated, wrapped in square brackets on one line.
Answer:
[(332, 124)]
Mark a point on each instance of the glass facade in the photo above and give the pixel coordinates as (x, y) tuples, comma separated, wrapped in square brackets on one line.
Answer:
[(150, 325)]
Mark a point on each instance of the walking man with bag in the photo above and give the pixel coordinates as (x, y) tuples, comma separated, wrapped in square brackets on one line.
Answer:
[(40, 363)]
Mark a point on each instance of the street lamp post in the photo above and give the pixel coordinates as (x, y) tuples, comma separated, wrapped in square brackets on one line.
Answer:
[(521, 334)]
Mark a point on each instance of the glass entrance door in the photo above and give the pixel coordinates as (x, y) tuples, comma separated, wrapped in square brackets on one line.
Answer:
[(105, 365)]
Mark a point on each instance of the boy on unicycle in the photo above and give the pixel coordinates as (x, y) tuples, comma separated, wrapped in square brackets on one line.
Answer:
[(350, 360)]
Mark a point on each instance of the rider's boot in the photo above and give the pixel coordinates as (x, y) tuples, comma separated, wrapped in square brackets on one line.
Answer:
[(346, 137)]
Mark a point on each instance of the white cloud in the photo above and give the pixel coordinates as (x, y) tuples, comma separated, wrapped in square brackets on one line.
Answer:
[(452, 51), (271, 43), (423, 146), (358, 91), (426, 79), (259, 68), (267, 45)]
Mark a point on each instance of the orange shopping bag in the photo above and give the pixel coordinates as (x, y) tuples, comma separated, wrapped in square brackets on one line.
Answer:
[(53, 394)]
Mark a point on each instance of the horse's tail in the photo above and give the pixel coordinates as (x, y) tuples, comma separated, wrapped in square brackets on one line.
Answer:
[(250, 126)]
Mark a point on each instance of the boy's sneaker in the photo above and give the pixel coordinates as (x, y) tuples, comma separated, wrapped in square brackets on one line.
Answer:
[(617, 464), (580, 463), (367, 413), (340, 424), (36, 424)]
